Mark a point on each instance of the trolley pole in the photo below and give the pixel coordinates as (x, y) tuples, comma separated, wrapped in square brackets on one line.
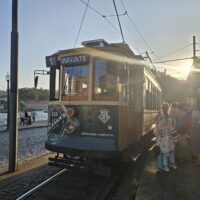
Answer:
[(13, 137), (119, 21)]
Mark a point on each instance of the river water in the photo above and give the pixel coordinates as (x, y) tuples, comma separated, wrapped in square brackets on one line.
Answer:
[(40, 116)]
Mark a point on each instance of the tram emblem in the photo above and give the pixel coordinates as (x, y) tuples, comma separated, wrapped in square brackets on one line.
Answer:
[(104, 115)]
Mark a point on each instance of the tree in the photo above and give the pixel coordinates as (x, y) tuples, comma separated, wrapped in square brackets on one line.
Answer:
[(27, 94)]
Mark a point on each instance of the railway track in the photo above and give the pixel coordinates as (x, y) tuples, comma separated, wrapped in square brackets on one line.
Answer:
[(44, 183), (52, 183), (103, 189), (82, 186)]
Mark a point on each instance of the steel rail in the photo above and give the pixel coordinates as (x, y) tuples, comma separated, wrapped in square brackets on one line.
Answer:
[(31, 191), (109, 189)]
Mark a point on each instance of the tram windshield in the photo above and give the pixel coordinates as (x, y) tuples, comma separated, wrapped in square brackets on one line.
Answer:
[(75, 80), (105, 80)]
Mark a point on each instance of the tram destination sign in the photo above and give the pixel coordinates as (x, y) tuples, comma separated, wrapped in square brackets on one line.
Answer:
[(74, 60)]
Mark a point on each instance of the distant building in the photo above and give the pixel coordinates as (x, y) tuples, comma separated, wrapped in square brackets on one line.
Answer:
[(36, 105)]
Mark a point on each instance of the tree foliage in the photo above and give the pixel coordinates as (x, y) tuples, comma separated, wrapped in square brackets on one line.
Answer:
[(27, 94)]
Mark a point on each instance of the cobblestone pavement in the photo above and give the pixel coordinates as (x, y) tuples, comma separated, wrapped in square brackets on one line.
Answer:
[(30, 146), (15, 186), (180, 184)]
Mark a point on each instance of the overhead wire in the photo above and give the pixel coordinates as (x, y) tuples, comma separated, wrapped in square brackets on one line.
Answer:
[(178, 49), (104, 16), (115, 15), (81, 22), (172, 60), (109, 22), (147, 44), (139, 32), (136, 28), (149, 47), (174, 70), (72, 71)]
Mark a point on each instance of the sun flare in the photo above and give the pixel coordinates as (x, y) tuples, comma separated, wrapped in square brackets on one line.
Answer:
[(186, 69)]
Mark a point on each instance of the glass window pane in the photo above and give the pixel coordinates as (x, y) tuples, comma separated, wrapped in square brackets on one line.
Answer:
[(76, 80), (105, 79), (57, 81)]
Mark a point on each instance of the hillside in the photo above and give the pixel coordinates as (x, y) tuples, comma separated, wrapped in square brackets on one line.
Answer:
[(173, 89)]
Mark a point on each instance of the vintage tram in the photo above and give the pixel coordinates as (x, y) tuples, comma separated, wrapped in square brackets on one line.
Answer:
[(103, 99)]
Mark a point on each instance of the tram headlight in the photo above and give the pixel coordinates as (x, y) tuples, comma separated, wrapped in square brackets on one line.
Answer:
[(72, 126), (71, 112)]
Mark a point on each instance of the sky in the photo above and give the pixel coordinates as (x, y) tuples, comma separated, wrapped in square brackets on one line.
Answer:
[(163, 28)]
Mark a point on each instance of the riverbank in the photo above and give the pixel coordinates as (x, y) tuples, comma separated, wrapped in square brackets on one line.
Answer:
[(40, 116), (36, 124)]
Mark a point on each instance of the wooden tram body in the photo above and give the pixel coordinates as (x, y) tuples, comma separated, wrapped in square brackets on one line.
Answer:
[(103, 99)]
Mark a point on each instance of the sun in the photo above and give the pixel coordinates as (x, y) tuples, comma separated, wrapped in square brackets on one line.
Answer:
[(186, 69)]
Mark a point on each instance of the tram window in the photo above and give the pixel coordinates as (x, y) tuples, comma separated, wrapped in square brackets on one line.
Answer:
[(147, 94), (154, 99), (151, 96), (75, 80), (105, 80), (144, 92), (123, 80), (123, 76), (54, 84)]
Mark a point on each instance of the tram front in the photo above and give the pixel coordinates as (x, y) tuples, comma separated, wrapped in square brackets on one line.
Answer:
[(84, 104)]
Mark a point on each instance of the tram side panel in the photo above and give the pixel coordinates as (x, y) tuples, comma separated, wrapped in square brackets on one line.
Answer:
[(123, 127), (131, 115), (138, 100)]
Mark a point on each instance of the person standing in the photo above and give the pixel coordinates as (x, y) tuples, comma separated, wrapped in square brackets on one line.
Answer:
[(26, 118), (165, 126), (21, 115), (25, 114), (33, 115), (174, 108)]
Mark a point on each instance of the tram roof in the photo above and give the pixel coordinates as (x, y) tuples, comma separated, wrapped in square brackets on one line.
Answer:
[(118, 49), (122, 49)]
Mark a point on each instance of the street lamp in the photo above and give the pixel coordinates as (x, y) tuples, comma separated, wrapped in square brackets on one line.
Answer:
[(8, 98)]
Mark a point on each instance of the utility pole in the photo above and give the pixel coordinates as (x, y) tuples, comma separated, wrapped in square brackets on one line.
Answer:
[(13, 137), (194, 48)]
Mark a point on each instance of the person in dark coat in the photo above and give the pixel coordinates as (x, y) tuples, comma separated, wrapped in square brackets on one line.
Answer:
[(25, 114), (27, 118)]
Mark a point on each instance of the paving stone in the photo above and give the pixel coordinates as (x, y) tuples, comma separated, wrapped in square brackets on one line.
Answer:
[(180, 184), (30, 146)]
